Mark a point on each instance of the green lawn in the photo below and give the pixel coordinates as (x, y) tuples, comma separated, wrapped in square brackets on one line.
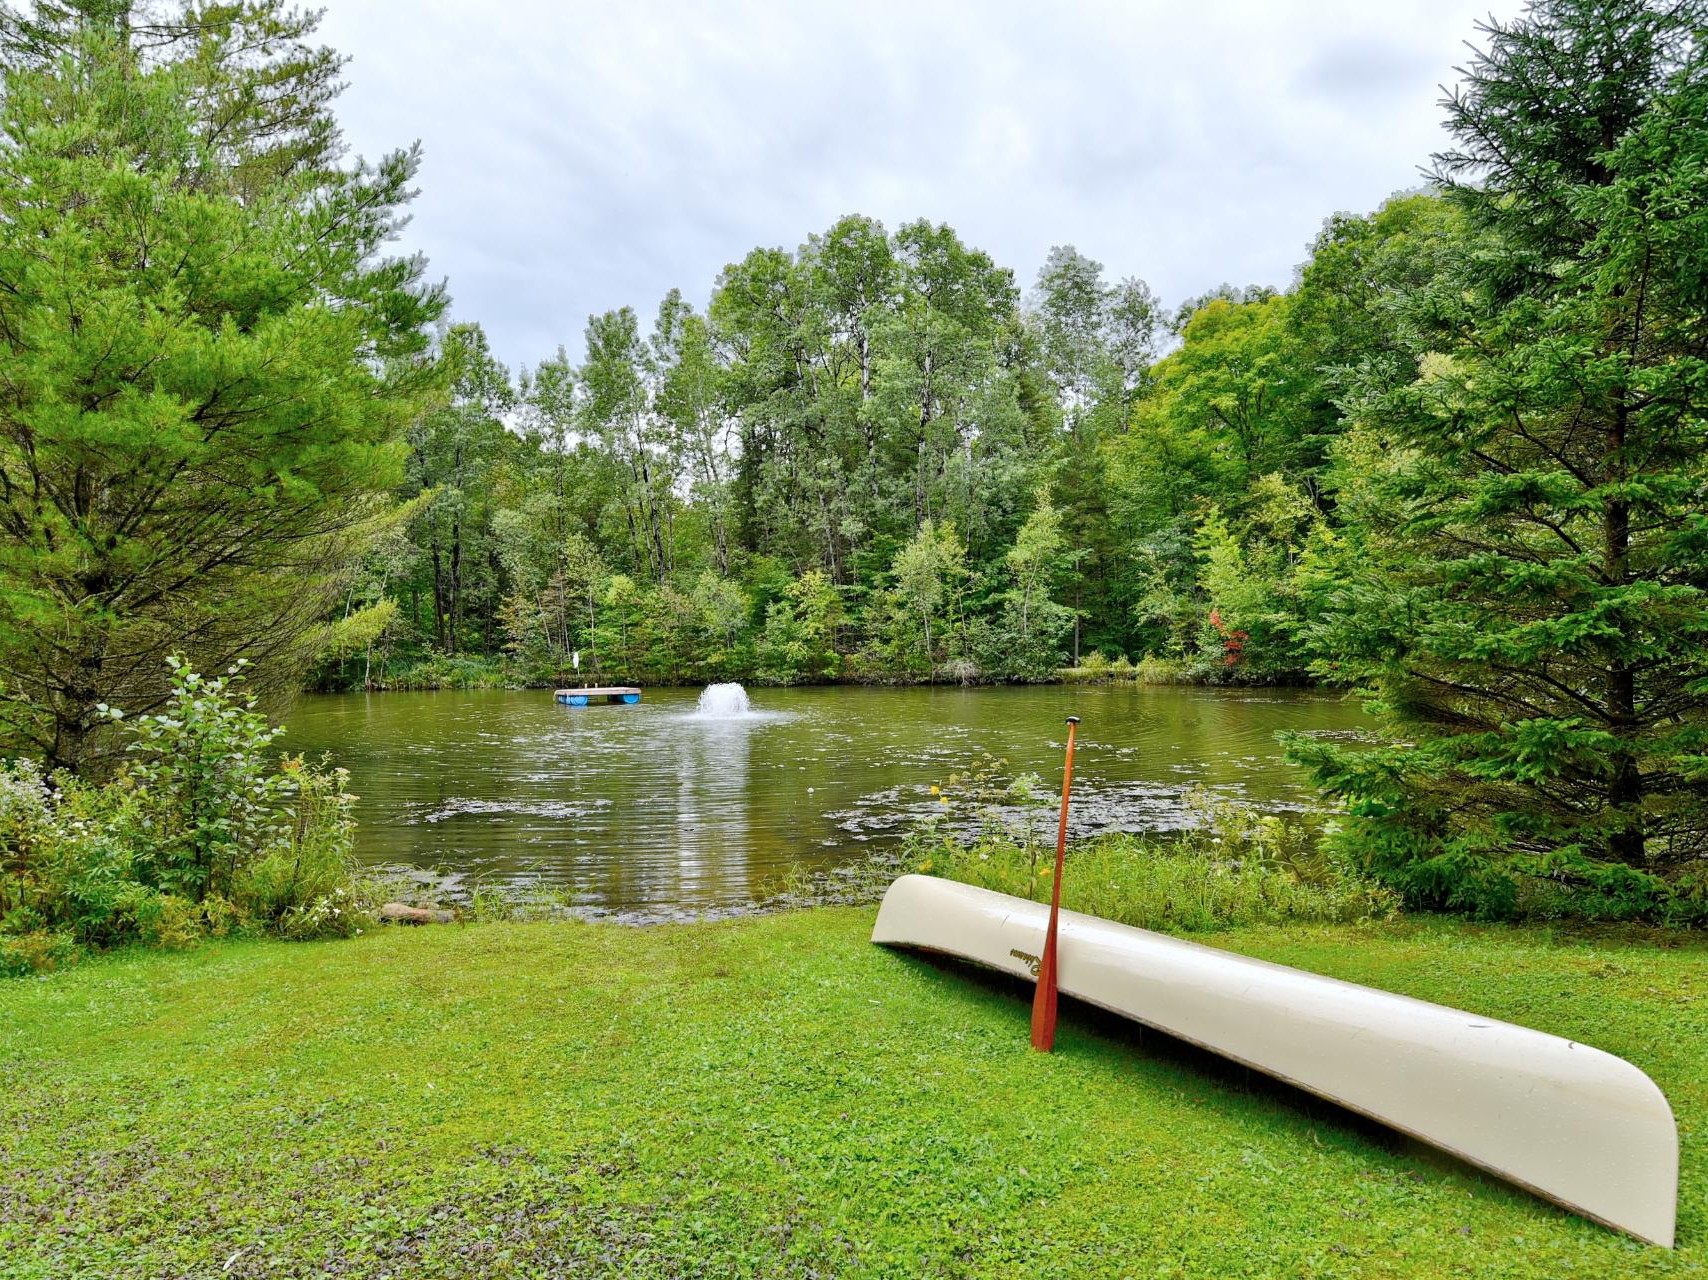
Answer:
[(768, 1097)]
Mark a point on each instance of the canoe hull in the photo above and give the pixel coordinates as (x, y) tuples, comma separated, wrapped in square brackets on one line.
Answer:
[(1577, 1126)]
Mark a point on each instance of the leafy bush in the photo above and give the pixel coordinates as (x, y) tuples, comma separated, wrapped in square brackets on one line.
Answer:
[(786, 650), (453, 671), (26, 812), (38, 951), (1151, 669), (1021, 647), (300, 887), (196, 836), (1094, 668), (202, 796)]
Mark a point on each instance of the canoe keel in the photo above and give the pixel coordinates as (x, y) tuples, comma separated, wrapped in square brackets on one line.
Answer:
[(1577, 1126)]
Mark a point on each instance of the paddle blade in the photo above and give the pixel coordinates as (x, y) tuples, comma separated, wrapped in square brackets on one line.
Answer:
[(1044, 1002)]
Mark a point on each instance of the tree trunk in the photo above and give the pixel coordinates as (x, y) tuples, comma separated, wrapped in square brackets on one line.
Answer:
[(438, 590), (1625, 841), (592, 641), (454, 611)]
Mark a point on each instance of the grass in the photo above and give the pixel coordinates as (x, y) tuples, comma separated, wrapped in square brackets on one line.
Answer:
[(766, 1097)]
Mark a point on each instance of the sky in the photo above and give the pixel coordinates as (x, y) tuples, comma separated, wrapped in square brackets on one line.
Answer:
[(583, 156)]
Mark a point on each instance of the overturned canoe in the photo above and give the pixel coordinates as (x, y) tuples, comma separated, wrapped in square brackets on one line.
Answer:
[(1575, 1125)]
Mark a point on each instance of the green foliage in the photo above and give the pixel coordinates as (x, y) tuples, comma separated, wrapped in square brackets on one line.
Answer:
[(359, 630), (723, 611), (1026, 640), (448, 671), (1522, 583), (202, 796), (212, 359), (197, 836), (300, 886), (39, 951), (838, 408), (925, 623), (799, 639)]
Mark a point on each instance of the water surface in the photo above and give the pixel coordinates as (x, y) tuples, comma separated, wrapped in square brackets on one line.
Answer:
[(654, 808)]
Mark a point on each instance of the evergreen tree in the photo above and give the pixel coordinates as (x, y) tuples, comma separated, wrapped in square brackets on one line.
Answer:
[(207, 360), (1530, 595)]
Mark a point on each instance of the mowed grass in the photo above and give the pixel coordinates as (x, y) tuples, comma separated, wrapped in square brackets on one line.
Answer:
[(766, 1097)]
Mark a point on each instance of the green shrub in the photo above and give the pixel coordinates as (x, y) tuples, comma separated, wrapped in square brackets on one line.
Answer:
[(198, 835), (26, 812), (38, 951), (202, 796), (1094, 668), (1152, 669), (1481, 876), (301, 885), (455, 671)]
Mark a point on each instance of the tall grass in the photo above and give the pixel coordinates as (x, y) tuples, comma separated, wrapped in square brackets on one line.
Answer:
[(1238, 867), (1094, 668)]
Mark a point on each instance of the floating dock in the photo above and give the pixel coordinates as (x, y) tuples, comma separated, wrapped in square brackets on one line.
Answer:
[(617, 695)]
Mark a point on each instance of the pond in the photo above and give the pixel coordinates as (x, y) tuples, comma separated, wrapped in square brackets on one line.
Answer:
[(656, 809)]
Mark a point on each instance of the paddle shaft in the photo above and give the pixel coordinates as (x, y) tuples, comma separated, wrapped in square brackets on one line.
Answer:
[(1044, 998)]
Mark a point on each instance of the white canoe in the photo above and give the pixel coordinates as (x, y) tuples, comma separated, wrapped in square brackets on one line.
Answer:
[(1576, 1126)]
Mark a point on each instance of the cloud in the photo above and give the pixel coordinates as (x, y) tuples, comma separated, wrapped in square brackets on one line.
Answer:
[(581, 157)]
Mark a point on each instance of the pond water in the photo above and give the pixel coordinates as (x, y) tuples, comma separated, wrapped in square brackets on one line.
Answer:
[(660, 808)]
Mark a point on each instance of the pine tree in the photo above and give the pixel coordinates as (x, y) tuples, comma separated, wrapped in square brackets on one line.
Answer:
[(207, 361), (1530, 593)]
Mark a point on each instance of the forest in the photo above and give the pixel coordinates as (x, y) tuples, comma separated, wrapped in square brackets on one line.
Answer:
[(878, 457)]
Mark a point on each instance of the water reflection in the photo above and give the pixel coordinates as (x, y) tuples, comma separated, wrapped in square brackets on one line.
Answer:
[(711, 811), (657, 806)]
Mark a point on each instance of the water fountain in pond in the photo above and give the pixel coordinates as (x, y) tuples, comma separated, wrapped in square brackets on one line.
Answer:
[(723, 702)]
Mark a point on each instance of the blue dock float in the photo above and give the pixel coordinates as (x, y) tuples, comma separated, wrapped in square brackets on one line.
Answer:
[(616, 696)]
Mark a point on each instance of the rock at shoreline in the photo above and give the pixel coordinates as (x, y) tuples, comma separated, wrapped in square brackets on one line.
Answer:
[(399, 913)]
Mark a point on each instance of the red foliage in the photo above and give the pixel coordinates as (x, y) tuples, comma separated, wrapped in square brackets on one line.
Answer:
[(1233, 642)]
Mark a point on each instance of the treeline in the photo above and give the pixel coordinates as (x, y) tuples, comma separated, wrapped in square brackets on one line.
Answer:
[(876, 458)]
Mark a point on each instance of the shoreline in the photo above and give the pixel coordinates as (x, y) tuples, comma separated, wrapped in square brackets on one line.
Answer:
[(500, 681)]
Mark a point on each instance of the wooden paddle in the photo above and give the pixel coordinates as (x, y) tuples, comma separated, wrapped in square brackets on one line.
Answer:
[(1044, 999)]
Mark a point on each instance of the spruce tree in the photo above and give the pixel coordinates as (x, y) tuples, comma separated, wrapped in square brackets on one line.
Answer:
[(1529, 593), (206, 358)]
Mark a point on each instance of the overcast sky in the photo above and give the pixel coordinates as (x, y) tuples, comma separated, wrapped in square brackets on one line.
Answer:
[(582, 156)]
